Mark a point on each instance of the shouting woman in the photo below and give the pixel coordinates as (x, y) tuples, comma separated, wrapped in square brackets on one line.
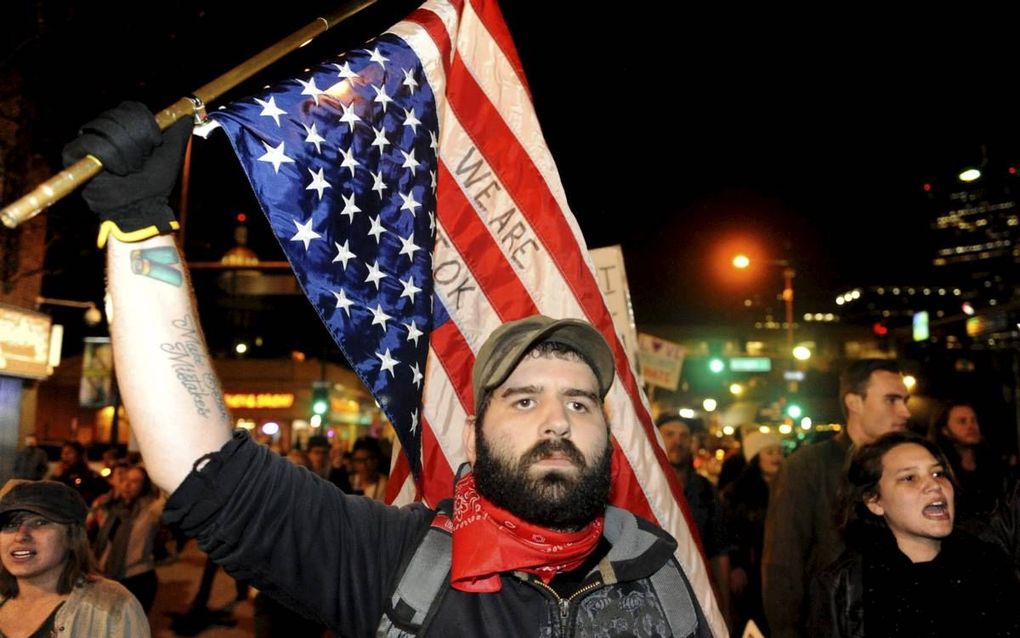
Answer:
[(906, 572)]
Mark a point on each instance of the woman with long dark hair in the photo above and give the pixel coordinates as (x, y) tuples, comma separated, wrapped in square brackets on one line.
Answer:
[(48, 580), (128, 526), (906, 572)]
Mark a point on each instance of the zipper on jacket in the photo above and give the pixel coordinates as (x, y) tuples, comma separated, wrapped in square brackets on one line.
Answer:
[(564, 603)]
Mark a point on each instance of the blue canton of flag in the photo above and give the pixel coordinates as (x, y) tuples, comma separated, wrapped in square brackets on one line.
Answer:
[(343, 160)]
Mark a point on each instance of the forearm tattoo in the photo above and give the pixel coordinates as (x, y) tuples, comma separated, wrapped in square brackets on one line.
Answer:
[(193, 370), (158, 263)]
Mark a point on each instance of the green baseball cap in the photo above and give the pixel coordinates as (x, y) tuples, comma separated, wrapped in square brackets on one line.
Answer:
[(507, 345)]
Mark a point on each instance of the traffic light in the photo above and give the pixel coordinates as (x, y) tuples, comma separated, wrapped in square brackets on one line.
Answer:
[(320, 399), (716, 365), (794, 411)]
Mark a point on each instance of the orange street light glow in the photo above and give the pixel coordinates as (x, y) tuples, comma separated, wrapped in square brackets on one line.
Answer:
[(741, 261)]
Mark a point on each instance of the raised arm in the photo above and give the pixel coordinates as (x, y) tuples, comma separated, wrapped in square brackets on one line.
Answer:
[(169, 388), (164, 372)]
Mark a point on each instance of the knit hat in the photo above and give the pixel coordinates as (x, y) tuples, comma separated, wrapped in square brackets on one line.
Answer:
[(756, 441)]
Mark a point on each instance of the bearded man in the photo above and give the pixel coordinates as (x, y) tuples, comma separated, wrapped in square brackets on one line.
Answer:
[(529, 546)]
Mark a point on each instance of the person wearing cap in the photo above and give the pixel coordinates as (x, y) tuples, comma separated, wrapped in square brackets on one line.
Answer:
[(678, 437), (745, 502), (49, 585), (532, 546)]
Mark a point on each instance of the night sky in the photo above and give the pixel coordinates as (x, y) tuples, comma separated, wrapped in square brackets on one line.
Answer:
[(675, 132)]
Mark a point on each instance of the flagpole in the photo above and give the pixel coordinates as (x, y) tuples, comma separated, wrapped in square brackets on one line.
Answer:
[(68, 180)]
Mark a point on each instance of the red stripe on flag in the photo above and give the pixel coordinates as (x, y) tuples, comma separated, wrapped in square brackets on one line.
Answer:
[(479, 250), (436, 29), (399, 474), (626, 488), (437, 482), (456, 357)]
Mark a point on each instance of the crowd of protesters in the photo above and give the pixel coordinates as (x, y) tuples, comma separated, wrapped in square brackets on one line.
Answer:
[(919, 533), (887, 523)]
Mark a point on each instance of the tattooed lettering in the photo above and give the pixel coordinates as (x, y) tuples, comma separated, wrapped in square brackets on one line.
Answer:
[(191, 367)]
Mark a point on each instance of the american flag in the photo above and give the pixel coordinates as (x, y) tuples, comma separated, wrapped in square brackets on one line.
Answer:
[(410, 186)]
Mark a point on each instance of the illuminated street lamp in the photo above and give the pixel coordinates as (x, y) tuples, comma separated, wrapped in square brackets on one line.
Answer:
[(743, 261)]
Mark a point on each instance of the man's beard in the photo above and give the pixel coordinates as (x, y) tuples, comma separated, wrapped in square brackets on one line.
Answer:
[(557, 500)]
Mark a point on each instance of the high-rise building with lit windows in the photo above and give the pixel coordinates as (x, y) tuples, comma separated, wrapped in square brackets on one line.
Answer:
[(976, 229)]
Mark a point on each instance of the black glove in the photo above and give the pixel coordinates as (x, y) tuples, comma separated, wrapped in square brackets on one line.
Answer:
[(140, 167)]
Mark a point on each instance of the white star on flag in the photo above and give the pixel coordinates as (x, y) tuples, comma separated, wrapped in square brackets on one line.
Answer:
[(409, 161), (379, 317), (345, 71), (377, 183), (378, 57), (407, 246), (409, 80), (349, 162), (275, 156), (349, 117), (349, 207), (343, 253), (416, 378), (413, 332), (387, 362), (377, 228), (409, 203), (305, 233), (311, 89), (342, 301), (375, 275), (318, 183), (313, 137), (269, 109), (410, 290), (380, 139), (410, 119), (381, 97)]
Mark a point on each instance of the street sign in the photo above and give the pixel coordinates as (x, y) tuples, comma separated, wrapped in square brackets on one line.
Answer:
[(750, 364)]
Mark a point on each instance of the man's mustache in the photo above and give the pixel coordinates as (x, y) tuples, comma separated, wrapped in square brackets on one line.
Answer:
[(545, 448)]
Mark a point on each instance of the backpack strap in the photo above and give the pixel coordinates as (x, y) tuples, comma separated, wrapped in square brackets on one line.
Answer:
[(679, 605), (424, 581)]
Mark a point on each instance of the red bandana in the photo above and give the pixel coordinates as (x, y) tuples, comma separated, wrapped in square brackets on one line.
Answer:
[(488, 541)]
